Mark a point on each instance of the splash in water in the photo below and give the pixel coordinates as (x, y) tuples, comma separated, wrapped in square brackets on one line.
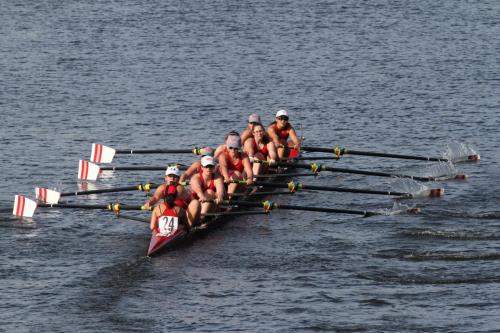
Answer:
[(460, 152)]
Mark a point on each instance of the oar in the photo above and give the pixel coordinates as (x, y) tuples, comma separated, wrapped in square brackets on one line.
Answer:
[(104, 154), (314, 167), (262, 193), (268, 206), (52, 197), (90, 171), (437, 192), (25, 207), (288, 175), (237, 213), (338, 151)]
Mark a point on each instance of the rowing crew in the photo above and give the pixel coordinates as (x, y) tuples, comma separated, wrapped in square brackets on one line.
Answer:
[(210, 185)]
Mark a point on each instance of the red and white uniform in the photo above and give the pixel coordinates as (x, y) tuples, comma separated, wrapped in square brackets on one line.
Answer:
[(282, 133), (264, 151), (231, 165), (168, 222)]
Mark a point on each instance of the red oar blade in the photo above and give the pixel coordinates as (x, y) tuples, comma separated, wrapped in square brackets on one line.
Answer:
[(87, 170), (102, 153), (47, 196), (23, 206)]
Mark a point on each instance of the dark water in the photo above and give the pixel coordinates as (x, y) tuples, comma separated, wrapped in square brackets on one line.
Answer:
[(398, 76)]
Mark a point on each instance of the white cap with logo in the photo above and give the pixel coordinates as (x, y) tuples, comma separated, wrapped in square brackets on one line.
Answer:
[(281, 113), (173, 170), (207, 160)]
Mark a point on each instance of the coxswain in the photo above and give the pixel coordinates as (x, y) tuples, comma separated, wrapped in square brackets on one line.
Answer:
[(235, 165), (253, 120), (195, 167), (280, 131), (207, 186), (167, 217), (260, 147), (183, 198)]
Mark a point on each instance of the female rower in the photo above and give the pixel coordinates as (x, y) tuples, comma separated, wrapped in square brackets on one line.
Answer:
[(260, 147), (235, 164), (196, 166), (221, 148), (207, 186), (167, 217), (253, 120), (183, 196), (280, 131)]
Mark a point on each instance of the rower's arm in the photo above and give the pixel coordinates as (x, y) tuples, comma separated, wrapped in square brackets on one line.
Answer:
[(273, 154), (272, 134), (155, 197), (248, 170), (223, 167), (248, 148), (220, 189), (196, 187), (154, 219), (189, 172), (294, 138), (247, 134)]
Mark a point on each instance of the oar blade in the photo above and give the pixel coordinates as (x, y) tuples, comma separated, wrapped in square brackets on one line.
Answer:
[(87, 170), (101, 153), (23, 207), (430, 192), (47, 196)]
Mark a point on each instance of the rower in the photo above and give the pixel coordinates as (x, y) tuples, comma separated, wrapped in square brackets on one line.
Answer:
[(183, 198), (280, 131), (221, 148), (260, 147), (195, 167), (235, 164), (207, 186), (167, 217), (253, 120)]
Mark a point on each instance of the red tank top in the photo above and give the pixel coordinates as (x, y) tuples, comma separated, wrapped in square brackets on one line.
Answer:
[(282, 133), (264, 151), (178, 201), (168, 221), (230, 163)]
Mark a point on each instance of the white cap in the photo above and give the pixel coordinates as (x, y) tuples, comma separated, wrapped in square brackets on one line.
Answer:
[(233, 141), (207, 160), (254, 118), (207, 151), (173, 170), (281, 113)]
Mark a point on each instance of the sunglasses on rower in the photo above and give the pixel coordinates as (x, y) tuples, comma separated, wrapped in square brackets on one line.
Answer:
[(283, 118)]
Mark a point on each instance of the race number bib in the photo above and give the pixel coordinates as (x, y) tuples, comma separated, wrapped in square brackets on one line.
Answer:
[(168, 225)]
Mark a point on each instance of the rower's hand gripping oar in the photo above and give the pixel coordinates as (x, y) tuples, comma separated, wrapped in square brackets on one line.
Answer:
[(314, 167), (104, 154), (338, 151), (24, 207)]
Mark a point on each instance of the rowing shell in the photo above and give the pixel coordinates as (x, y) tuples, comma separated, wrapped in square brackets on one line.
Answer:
[(163, 242)]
